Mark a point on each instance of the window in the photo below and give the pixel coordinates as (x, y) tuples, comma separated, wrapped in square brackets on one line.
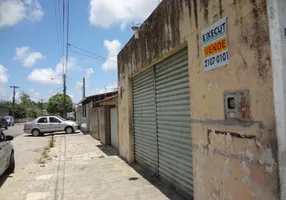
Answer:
[(61, 118), (43, 120), (54, 120)]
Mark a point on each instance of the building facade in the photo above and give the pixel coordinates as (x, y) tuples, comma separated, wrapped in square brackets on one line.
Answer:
[(97, 115), (103, 121), (4, 111), (196, 97)]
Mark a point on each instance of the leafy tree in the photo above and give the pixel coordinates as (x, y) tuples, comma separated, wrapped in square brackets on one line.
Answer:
[(20, 111), (55, 104), (25, 99), (26, 107)]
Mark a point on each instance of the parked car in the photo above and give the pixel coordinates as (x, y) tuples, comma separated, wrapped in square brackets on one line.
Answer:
[(49, 124), (7, 160), (3, 122), (10, 120)]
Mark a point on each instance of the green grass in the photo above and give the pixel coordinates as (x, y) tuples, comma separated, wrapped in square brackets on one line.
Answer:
[(52, 143), (44, 155)]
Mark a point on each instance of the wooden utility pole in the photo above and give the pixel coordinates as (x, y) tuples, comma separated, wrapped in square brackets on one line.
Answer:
[(83, 87), (65, 91), (13, 98)]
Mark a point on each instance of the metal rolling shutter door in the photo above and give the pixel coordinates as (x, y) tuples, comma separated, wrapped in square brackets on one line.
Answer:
[(113, 127), (173, 118), (145, 135)]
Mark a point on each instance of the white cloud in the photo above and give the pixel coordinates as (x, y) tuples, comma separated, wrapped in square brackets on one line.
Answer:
[(27, 58), (50, 76), (15, 11), (34, 94), (17, 97), (109, 88), (71, 65), (106, 13), (3, 75), (113, 48), (44, 76), (89, 71), (3, 79)]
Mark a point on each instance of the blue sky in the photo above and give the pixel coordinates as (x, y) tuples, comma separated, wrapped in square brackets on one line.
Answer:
[(30, 55)]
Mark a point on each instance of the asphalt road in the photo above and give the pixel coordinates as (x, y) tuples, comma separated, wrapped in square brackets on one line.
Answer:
[(14, 130)]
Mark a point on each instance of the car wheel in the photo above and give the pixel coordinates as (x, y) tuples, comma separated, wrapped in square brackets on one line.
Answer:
[(69, 130), (6, 127), (36, 132), (11, 167), (13, 124)]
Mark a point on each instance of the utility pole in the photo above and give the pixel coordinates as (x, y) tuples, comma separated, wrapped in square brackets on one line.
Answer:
[(42, 100), (65, 91), (83, 87), (14, 93), (67, 54)]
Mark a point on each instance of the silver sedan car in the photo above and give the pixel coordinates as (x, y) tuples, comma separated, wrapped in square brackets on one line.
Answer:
[(7, 160), (49, 124)]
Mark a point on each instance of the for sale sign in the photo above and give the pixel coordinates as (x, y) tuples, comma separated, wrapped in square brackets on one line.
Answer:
[(215, 45)]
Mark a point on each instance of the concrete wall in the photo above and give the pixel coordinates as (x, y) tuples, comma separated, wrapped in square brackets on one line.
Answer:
[(277, 22), (225, 167)]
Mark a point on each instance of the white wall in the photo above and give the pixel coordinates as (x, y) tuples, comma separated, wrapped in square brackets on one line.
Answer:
[(84, 121), (277, 26)]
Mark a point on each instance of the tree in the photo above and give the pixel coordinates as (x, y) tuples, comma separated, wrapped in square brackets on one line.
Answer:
[(55, 104), (25, 108), (20, 111), (25, 99)]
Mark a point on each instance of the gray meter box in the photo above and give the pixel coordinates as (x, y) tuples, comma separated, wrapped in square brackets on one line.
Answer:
[(236, 105)]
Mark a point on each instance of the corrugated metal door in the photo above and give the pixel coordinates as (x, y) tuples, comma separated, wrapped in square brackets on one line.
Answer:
[(113, 127), (97, 123), (173, 122), (101, 124), (94, 123), (144, 109)]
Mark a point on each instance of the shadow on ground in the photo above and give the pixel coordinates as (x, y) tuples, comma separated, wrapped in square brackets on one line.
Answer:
[(152, 178), (108, 150), (3, 178), (166, 188), (52, 134)]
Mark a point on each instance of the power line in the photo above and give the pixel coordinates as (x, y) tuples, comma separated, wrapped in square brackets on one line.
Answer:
[(60, 27), (67, 55), (83, 54), (67, 43), (63, 36), (57, 26), (92, 53)]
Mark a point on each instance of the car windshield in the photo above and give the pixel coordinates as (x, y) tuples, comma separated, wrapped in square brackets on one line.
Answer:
[(62, 119), (7, 117)]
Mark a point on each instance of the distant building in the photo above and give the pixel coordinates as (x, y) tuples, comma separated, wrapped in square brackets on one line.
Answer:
[(70, 116), (85, 106), (4, 110)]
